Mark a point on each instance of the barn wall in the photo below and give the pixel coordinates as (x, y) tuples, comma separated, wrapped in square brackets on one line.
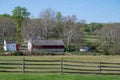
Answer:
[(48, 48)]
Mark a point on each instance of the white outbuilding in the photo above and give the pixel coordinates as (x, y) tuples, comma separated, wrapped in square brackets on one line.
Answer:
[(10, 46)]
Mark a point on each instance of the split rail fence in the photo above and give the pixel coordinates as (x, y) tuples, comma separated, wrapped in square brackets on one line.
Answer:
[(59, 66)]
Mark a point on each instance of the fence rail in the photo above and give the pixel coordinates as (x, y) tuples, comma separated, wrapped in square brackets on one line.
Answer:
[(59, 66)]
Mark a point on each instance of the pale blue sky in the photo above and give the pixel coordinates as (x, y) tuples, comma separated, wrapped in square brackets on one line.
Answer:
[(89, 10)]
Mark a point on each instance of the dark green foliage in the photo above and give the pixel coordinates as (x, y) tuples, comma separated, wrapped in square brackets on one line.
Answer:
[(17, 53), (19, 14), (5, 15)]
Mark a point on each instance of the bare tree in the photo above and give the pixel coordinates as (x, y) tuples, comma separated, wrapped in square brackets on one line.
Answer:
[(70, 29), (33, 29), (109, 39), (48, 18), (7, 27)]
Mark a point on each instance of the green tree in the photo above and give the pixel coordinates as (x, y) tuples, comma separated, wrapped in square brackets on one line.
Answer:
[(19, 14), (95, 26), (5, 15), (58, 29), (58, 17)]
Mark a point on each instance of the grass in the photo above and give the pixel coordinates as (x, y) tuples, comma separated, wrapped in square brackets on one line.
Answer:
[(81, 58), (66, 57), (14, 76), (45, 76), (90, 38)]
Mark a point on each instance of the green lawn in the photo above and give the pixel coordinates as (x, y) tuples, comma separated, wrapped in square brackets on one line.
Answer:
[(14, 76)]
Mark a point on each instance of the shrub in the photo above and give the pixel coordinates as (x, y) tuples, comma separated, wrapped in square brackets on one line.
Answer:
[(17, 53)]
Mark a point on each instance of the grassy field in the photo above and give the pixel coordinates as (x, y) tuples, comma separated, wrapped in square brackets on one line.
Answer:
[(79, 58), (91, 38), (14, 76), (39, 76)]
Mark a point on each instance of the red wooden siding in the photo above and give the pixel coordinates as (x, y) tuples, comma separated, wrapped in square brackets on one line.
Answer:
[(17, 47), (48, 47)]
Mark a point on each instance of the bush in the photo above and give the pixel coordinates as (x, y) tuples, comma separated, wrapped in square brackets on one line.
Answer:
[(47, 53), (105, 53), (17, 53)]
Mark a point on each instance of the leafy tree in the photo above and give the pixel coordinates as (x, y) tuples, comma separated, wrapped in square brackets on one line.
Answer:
[(4, 15), (19, 14), (95, 26), (109, 39), (58, 29), (58, 17)]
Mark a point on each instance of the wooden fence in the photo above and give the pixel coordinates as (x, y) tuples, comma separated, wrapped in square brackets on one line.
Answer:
[(59, 66)]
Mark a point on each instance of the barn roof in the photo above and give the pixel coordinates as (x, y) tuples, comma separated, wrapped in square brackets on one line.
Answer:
[(48, 42)]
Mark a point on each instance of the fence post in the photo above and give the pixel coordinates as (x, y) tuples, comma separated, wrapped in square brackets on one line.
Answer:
[(100, 67), (61, 65), (23, 65)]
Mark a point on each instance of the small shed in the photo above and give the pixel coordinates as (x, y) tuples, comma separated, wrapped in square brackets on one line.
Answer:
[(10, 45), (46, 45)]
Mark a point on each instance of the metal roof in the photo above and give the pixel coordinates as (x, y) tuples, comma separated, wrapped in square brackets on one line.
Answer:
[(48, 42), (10, 41)]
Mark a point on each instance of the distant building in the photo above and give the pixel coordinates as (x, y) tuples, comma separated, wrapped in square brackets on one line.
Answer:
[(84, 49), (46, 45), (10, 46)]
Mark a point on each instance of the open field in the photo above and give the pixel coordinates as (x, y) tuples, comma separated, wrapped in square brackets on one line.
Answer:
[(57, 76), (92, 38), (79, 58), (61, 64), (16, 76)]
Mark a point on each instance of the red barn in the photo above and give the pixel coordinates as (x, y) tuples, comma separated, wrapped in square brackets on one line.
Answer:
[(46, 45)]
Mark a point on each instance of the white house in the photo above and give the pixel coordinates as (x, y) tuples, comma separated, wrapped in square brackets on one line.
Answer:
[(10, 46)]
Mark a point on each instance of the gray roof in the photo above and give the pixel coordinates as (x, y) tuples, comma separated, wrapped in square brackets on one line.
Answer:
[(48, 42), (10, 41)]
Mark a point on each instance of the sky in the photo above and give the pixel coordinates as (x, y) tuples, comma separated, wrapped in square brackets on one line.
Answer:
[(103, 11)]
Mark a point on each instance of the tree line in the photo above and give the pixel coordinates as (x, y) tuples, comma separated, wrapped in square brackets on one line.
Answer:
[(53, 25)]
